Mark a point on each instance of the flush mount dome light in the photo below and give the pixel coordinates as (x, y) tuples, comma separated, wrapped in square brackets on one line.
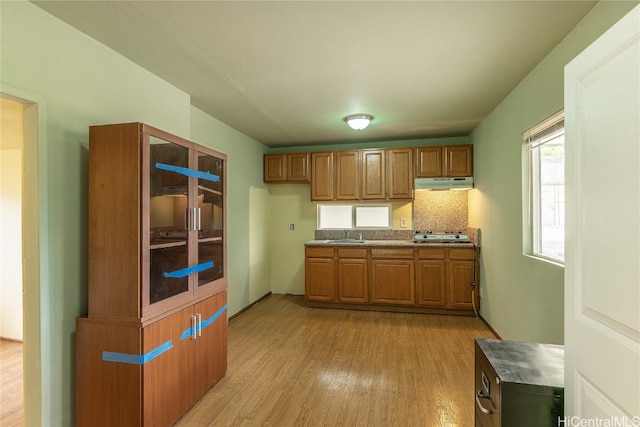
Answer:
[(358, 121)]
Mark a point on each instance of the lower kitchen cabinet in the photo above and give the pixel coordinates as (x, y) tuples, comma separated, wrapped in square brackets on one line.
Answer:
[(392, 276), (462, 278), (414, 279), (353, 285), (129, 375), (431, 277), (319, 274)]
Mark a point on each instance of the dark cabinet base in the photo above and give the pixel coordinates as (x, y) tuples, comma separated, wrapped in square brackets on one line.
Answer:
[(518, 384)]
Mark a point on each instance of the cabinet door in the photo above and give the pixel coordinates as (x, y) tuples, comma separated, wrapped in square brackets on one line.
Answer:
[(432, 283), (352, 280), (458, 160), (392, 282), (429, 162), (461, 277), (400, 173), (322, 187), (347, 175), (298, 167), (165, 224), (275, 167), (162, 374), (319, 274), (373, 175), (210, 346), (208, 259)]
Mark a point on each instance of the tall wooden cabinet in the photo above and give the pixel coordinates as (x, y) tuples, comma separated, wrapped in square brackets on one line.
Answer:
[(154, 340)]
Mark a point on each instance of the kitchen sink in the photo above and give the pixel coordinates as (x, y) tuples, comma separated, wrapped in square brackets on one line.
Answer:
[(344, 241)]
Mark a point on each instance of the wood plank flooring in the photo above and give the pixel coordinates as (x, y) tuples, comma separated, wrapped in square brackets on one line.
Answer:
[(291, 365), (11, 392)]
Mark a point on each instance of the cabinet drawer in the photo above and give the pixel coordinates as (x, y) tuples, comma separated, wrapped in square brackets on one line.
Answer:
[(466, 253), (319, 252), (431, 253), (391, 253), (352, 252)]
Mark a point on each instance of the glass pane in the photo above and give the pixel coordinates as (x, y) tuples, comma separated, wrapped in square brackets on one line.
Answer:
[(168, 192), (167, 261), (335, 216), (372, 216), (210, 199), (210, 252), (551, 203)]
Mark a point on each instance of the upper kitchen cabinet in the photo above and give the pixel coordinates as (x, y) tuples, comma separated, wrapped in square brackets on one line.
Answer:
[(400, 173), (387, 174), (347, 175), (156, 222), (445, 161), (291, 167), (322, 176)]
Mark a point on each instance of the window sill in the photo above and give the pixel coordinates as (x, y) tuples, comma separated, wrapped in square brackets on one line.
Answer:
[(546, 259)]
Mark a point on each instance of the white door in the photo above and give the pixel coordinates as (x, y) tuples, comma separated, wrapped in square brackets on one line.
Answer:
[(602, 270)]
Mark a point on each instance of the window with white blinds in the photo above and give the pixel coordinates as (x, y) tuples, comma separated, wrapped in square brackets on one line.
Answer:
[(545, 198)]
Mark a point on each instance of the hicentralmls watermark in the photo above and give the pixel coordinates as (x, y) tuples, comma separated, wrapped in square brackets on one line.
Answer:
[(599, 422)]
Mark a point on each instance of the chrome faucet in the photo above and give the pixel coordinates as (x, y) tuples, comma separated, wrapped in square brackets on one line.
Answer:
[(346, 234)]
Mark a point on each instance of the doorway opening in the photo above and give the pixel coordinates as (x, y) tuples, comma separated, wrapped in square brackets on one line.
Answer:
[(23, 213)]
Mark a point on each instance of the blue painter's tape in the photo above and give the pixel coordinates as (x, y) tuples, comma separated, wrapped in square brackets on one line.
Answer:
[(213, 318), (207, 176), (187, 332), (187, 271), (136, 359)]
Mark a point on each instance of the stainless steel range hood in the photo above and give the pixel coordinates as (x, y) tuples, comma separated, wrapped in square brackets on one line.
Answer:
[(463, 183)]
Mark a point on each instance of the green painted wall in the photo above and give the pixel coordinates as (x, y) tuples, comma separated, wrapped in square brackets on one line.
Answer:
[(247, 212), (523, 298), (84, 83)]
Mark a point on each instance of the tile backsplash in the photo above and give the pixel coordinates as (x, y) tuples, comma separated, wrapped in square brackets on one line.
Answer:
[(440, 210)]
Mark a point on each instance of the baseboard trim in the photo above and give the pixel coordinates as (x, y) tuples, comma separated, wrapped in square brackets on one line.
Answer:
[(493, 331), (262, 298)]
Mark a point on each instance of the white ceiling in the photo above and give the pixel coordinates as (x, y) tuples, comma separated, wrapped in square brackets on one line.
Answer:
[(286, 72)]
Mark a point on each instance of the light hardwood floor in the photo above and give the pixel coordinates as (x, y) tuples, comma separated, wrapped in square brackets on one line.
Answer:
[(11, 392), (290, 365)]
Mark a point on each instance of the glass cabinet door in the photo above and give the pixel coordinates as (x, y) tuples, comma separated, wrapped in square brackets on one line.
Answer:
[(210, 184), (168, 220)]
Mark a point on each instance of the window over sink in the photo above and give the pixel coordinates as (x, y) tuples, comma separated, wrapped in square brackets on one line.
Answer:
[(331, 216)]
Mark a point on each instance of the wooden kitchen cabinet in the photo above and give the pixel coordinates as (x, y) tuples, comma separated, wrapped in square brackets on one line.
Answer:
[(431, 277), (400, 173), (322, 176), (373, 175), (387, 174), (347, 175), (463, 288), (320, 274), (444, 161), (353, 286), (289, 167), (157, 267), (392, 276)]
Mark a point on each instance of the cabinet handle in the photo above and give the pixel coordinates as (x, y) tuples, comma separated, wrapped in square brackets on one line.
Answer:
[(199, 324), (481, 395), (186, 219), (199, 219), (195, 218), (193, 327)]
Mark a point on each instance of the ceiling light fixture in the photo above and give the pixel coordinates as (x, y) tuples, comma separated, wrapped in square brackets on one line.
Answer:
[(358, 121)]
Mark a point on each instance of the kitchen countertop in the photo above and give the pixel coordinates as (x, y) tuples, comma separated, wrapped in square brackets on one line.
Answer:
[(393, 243)]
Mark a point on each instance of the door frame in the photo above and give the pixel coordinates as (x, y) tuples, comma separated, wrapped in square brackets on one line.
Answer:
[(35, 259)]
